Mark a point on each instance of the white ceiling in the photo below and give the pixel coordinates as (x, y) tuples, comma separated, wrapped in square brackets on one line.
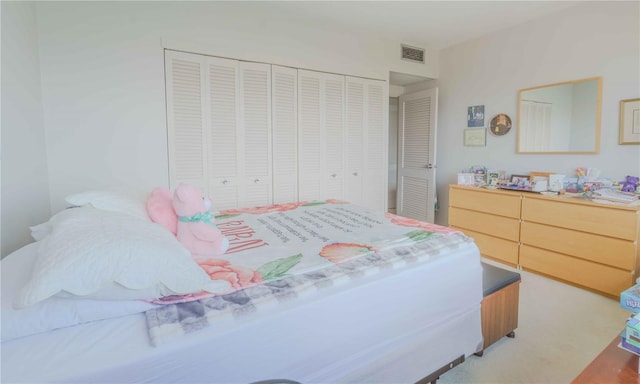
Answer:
[(435, 24)]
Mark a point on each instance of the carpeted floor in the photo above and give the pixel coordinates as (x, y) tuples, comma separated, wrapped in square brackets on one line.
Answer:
[(561, 328)]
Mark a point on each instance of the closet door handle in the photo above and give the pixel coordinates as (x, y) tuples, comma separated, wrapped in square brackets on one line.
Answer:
[(355, 173), (225, 181), (334, 175), (256, 180)]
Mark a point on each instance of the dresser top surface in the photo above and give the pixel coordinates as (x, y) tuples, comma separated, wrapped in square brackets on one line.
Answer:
[(571, 199)]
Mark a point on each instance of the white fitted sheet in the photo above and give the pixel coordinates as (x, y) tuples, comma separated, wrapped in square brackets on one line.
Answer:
[(368, 331)]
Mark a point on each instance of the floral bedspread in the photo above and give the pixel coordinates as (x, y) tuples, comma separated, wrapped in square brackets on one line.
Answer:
[(280, 252)]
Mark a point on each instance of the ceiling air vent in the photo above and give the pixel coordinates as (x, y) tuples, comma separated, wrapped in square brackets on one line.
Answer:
[(413, 54)]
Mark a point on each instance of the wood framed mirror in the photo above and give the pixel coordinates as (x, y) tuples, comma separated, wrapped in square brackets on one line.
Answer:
[(560, 118)]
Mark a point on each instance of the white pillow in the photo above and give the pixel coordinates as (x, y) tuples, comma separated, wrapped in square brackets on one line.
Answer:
[(135, 205), (112, 256), (38, 232), (54, 312)]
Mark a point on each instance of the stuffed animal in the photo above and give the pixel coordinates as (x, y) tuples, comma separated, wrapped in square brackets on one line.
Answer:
[(196, 229), (630, 184), (160, 209)]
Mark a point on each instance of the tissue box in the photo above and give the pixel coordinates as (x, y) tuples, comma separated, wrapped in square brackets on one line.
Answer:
[(630, 299)]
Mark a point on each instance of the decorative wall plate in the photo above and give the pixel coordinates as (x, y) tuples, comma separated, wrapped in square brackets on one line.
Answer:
[(500, 124)]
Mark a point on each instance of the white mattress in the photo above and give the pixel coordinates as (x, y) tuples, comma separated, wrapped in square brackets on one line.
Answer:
[(370, 330)]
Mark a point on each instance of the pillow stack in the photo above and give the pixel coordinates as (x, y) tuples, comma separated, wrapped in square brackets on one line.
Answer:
[(107, 248)]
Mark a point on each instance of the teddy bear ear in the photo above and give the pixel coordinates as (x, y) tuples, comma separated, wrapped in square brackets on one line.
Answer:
[(182, 191)]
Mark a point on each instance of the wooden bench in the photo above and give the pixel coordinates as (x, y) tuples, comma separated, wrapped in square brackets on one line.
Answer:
[(501, 289)]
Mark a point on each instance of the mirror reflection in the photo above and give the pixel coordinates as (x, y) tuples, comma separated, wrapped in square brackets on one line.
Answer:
[(560, 118)]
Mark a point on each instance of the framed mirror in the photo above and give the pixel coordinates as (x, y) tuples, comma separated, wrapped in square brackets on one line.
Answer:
[(560, 118)]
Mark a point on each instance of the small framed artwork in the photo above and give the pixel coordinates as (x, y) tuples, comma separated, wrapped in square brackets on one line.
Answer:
[(493, 177), (475, 116), (500, 124), (519, 179), (536, 174), (475, 137), (630, 121), (466, 178)]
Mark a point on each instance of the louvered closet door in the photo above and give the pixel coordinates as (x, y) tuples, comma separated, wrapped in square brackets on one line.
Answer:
[(284, 97), (255, 130), (334, 117), (376, 153), (355, 140), (223, 136), (310, 135), (186, 114), (239, 150), (366, 143), (320, 135)]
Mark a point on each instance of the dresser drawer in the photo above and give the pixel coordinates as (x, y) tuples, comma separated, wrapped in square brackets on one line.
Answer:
[(603, 278), (620, 223), (606, 250), (497, 226), (494, 247), (493, 202)]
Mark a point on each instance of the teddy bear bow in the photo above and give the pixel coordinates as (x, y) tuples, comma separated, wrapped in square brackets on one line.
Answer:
[(205, 217)]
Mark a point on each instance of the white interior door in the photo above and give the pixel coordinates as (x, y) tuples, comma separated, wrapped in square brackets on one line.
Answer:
[(417, 154)]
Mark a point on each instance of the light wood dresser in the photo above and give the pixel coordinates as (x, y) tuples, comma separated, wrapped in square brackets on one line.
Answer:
[(584, 243)]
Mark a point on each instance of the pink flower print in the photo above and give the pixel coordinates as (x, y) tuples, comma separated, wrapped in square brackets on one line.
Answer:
[(239, 277), (339, 252), (407, 222), (264, 209), (336, 201)]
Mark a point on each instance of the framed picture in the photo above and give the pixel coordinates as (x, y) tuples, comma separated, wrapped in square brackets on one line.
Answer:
[(500, 124), (475, 116), (475, 137), (519, 179), (493, 177), (534, 174), (630, 121), (466, 179)]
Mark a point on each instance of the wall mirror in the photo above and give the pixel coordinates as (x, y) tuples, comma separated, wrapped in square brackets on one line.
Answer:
[(560, 118)]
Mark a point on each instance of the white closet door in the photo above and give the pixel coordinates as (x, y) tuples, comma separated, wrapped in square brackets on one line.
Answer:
[(255, 130), (366, 143), (320, 135), (310, 135), (219, 114), (223, 134), (185, 84), (355, 137), (376, 153), (284, 97), (334, 107)]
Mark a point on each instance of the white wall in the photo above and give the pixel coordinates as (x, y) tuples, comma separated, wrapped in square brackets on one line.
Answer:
[(587, 40), (102, 82), (25, 188), (103, 76)]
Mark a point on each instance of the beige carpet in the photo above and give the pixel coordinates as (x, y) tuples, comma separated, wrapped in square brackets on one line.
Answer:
[(561, 328)]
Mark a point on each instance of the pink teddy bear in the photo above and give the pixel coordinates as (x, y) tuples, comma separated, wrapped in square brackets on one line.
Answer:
[(196, 230), (160, 209)]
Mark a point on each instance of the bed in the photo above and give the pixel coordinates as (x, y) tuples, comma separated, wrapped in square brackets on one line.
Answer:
[(396, 311)]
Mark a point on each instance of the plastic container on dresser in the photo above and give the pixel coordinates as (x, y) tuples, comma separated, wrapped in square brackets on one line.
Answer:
[(584, 243)]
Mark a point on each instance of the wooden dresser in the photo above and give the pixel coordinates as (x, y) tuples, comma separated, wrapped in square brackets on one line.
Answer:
[(584, 243)]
